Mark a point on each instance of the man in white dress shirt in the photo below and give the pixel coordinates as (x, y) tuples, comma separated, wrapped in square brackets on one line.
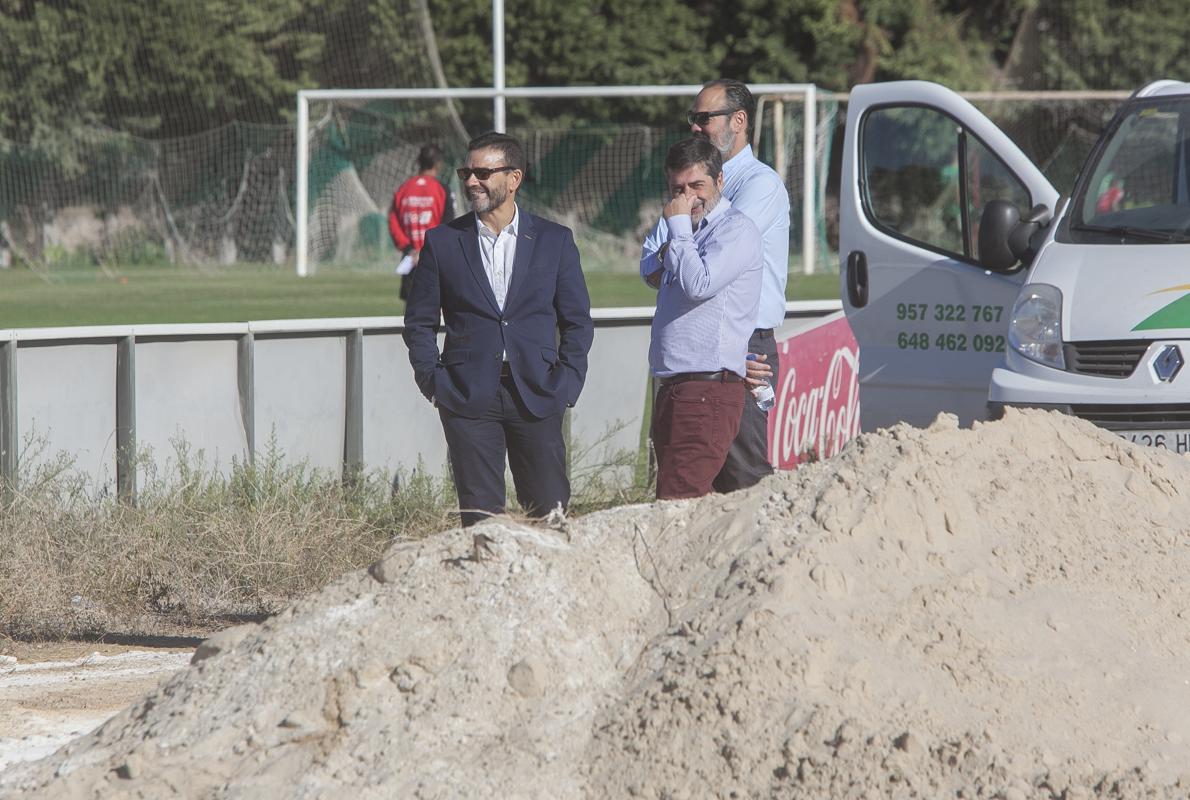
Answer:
[(510, 289)]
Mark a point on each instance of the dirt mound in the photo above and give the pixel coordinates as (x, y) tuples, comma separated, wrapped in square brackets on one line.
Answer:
[(1000, 612)]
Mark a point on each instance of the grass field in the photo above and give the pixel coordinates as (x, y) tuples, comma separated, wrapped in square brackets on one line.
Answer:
[(138, 295)]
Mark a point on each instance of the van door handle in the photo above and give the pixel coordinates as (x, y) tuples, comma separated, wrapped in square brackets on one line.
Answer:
[(857, 278)]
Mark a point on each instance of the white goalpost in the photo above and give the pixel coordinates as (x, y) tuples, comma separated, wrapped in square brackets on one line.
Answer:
[(781, 92)]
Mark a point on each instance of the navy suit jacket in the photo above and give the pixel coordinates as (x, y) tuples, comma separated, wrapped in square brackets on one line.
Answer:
[(545, 327)]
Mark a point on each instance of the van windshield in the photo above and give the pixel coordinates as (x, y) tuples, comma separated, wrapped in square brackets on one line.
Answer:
[(1137, 190)]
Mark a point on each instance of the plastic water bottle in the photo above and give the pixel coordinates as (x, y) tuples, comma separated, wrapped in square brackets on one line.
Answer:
[(763, 394)]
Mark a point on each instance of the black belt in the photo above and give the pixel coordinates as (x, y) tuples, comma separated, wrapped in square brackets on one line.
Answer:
[(721, 375), (763, 333)]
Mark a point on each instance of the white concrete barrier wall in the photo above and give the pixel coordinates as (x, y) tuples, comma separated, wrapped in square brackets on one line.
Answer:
[(222, 391), (300, 398), (66, 403), (187, 397)]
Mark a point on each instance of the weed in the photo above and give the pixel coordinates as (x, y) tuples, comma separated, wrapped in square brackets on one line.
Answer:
[(199, 546), (203, 547)]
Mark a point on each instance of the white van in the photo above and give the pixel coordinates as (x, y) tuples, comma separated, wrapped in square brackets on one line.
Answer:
[(970, 285)]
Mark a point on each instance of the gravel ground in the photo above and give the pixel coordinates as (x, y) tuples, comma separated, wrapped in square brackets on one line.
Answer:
[(51, 693)]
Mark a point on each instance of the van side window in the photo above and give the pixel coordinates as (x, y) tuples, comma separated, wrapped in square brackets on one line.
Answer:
[(927, 180), (988, 179), (911, 174)]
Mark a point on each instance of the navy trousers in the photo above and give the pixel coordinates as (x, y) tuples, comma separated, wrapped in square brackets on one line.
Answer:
[(748, 459), (534, 447)]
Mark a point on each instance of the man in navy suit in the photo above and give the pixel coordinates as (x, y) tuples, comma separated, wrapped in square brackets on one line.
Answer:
[(510, 289)]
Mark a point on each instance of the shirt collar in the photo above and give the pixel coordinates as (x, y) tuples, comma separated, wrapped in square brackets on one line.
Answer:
[(719, 210), (740, 158), (511, 228)]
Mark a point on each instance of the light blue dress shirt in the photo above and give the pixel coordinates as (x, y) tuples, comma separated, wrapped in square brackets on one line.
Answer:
[(755, 189), (709, 294)]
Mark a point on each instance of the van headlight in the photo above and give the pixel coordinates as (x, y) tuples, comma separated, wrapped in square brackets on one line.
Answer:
[(1036, 328)]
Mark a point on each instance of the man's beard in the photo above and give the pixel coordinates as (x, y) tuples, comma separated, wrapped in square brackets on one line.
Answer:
[(707, 207), (723, 142), (484, 199)]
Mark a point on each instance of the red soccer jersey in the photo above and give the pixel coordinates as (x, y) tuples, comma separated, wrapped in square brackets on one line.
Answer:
[(418, 205)]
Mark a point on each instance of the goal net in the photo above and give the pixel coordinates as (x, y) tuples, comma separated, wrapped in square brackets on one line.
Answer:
[(605, 181), (220, 197)]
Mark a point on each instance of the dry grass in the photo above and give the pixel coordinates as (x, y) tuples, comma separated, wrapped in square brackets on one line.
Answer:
[(202, 550), (199, 548)]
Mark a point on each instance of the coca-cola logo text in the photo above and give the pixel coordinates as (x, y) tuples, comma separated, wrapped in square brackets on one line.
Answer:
[(817, 412)]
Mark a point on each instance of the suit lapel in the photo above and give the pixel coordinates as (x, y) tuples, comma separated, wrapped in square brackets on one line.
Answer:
[(525, 242), (469, 241)]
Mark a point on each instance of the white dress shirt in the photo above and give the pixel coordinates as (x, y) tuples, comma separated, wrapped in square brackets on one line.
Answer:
[(498, 251)]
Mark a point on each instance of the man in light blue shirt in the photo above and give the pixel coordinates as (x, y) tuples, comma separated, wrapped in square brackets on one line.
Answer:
[(708, 294), (723, 114)]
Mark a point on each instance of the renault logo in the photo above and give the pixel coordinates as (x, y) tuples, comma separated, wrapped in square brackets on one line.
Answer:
[(1168, 363)]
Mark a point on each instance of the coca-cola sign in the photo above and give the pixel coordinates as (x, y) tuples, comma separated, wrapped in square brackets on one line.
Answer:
[(817, 408)]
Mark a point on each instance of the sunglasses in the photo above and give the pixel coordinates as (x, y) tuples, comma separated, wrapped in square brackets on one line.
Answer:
[(701, 118), (483, 173)]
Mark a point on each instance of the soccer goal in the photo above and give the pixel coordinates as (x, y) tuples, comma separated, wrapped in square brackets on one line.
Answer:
[(354, 147)]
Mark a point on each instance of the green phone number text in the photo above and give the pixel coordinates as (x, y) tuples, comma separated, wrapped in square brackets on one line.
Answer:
[(951, 342), (948, 312)]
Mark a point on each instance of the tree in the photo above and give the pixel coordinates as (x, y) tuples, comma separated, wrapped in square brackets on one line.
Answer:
[(1094, 44), (188, 65), (556, 43)]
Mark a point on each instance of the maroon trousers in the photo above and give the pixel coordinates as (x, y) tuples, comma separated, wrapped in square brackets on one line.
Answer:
[(694, 423)]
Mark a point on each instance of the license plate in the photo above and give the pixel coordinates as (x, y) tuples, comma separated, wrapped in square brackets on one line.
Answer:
[(1178, 441)]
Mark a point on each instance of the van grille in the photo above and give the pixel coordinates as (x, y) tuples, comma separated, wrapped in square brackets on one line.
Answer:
[(1105, 359), (1136, 418)]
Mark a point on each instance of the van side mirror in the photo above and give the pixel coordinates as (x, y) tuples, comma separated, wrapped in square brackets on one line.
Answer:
[(1005, 237)]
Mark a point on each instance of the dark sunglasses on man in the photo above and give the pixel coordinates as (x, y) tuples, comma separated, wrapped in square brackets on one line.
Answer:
[(483, 173), (701, 118)]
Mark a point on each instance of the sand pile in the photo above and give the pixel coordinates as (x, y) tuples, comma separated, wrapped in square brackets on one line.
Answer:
[(1000, 612)]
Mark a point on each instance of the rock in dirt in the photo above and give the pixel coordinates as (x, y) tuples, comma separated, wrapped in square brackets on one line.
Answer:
[(997, 612)]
